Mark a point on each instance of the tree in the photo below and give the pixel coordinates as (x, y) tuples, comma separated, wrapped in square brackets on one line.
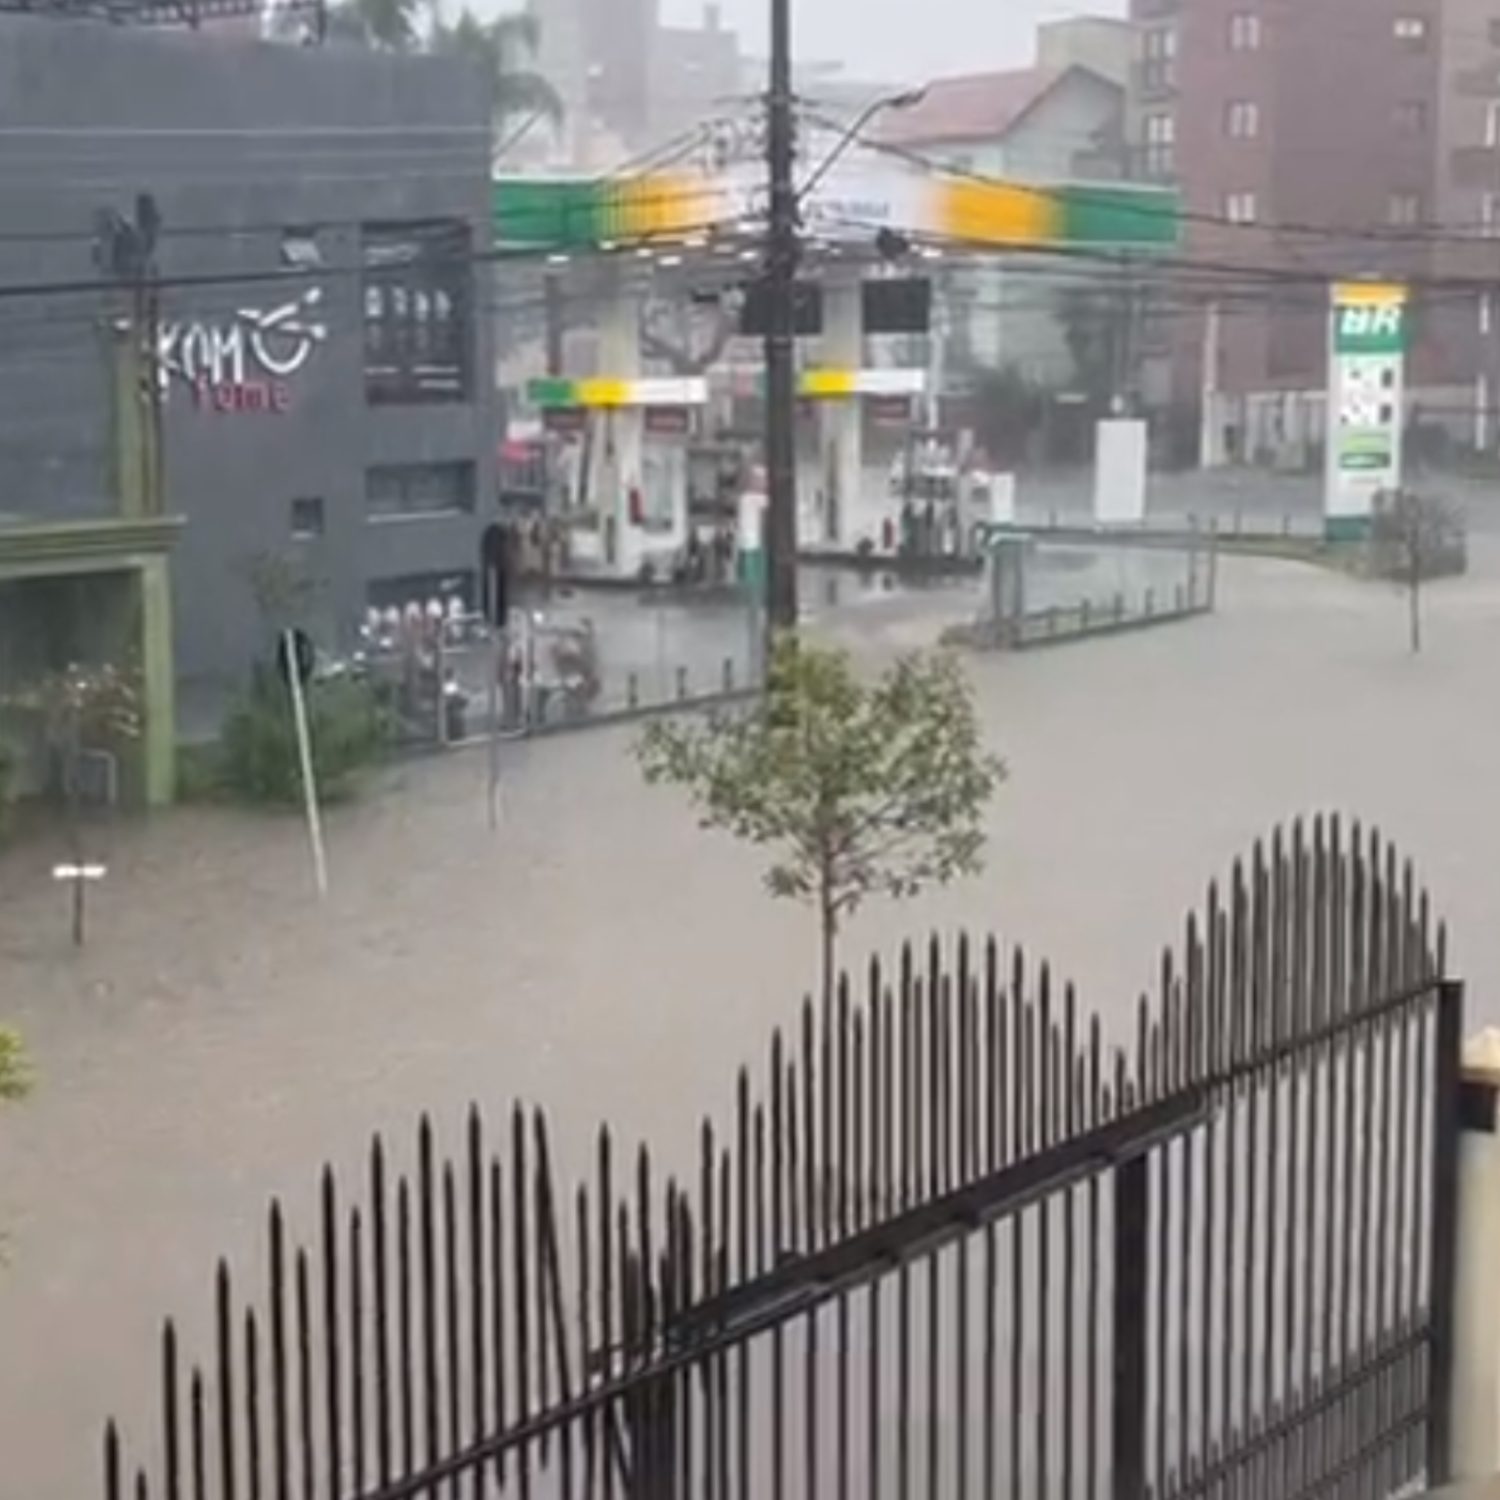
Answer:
[(858, 789), (504, 49), (1413, 538), (389, 25), (698, 343), (1096, 325), (1007, 412), (15, 1079), (82, 708), (15, 1071)]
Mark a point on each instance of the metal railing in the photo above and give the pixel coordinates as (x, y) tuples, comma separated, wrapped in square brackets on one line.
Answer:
[(948, 1238)]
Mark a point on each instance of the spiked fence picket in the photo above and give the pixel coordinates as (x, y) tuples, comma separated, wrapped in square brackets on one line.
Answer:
[(947, 1239)]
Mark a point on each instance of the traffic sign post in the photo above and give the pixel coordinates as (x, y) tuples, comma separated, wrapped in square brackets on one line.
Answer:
[(81, 874), (296, 659)]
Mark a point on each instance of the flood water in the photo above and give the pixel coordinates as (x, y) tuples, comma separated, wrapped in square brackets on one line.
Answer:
[(223, 1033)]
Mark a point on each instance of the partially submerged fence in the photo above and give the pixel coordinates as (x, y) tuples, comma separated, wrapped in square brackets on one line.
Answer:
[(1039, 590), (950, 1238)]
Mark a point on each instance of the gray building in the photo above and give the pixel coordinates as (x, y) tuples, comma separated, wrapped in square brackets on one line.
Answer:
[(325, 364)]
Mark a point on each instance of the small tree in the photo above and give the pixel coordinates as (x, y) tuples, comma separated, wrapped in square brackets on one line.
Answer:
[(1413, 538), (15, 1080), (15, 1071), (81, 707), (858, 789)]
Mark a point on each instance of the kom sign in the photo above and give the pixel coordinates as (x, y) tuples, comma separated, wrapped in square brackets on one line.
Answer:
[(1366, 391), (244, 361)]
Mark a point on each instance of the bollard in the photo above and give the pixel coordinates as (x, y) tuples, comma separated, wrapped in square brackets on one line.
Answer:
[(728, 674), (1150, 607), (1239, 523), (1083, 616), (632, 692), (682, 686), (1180, 598), (1052, 620), (1286, 525), (1119, 608)]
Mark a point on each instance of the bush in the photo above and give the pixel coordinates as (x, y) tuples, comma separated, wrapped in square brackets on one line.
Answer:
[(259, 753), (15, 1070)]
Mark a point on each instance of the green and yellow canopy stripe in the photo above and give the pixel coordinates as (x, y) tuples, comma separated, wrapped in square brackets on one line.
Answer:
[(569, 214)]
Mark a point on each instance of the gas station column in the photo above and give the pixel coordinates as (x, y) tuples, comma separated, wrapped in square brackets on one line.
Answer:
[(840, 421), (615, 458)]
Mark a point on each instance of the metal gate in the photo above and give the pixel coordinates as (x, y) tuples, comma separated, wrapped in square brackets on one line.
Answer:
[(950, 1240)]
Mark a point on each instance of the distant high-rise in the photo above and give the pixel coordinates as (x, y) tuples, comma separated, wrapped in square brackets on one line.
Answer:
[(598, 54)]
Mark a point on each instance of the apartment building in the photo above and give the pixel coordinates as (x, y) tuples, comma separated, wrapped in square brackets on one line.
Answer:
[(1313, 142)]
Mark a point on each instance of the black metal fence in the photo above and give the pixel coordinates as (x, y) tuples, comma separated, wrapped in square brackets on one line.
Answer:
[(949, 1239)]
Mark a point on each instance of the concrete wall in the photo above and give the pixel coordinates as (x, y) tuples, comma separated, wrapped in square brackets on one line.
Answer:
[(240, 142)]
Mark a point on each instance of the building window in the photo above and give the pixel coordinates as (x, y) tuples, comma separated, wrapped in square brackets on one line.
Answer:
[(397, 491), (418, 281), (1411, 32), (1489, 216), (307, 518), (1244, 31), (1240, 208), (1410, 117), (1492, 124), (1158, 57), (1160, 130), (1242, 119), (1404, 209)]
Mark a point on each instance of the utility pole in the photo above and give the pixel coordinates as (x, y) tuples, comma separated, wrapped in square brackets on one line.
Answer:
[(125, 251), (781, 333)]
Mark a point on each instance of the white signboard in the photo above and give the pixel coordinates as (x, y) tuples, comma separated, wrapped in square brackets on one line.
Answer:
[(1120, 472)]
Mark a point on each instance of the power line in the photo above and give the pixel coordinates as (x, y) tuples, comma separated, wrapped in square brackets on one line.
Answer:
[(1115, 196)]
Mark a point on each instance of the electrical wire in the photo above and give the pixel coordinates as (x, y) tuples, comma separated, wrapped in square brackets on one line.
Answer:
[(1116, 198)]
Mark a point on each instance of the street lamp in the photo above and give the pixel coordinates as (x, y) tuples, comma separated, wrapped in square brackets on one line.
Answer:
[(908, 99), (781, 331)]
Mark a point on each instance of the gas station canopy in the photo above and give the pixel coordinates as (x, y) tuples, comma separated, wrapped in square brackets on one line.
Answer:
[(851, 203)]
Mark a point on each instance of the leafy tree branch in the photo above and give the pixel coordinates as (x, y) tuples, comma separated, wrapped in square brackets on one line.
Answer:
[(858, 790)]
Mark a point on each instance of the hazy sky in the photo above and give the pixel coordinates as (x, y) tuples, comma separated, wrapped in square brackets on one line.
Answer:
[(930, 37)]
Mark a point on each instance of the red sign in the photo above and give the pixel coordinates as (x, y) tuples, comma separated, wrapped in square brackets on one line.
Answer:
[(565, 419), (890, 411), (668, 421), (241, 395)]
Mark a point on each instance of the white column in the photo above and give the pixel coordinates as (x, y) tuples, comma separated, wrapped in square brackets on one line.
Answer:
[(1209, 436), (615, 468), (840, 519), (1476, 1308)]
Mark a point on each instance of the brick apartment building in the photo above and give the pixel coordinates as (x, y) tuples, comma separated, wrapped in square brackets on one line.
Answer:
[(1312, 141)]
